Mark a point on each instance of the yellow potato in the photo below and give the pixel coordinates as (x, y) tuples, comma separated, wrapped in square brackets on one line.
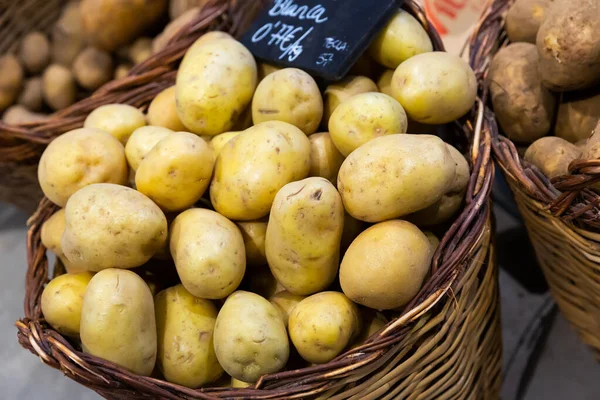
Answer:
[(32, 96), (112, 226), (52, 231), (185, 326), (285, 303), (93, 68), (35, 52), (442, 210), (208, 251), (173, 28), (163, 111), (402, 38), (179, 7), (395, 175), (435, 88), (110, 24), (67, 38), (289, 95), (372, 322), (62, 300), (265, 69), (11, 80), (141, 141), (386, 265), (219, 141), (79, 158), (303, 235), (385, 82), (364, 117), (118, 322), (322, 325), (552, 155), (250, 338), (325, 158), (122, 70), (338, 92), (17, 115), (215, 83), (120, 120), (253, 167), (140, 50), (176, 172), (59, 87), (254, 233), (236, 383), (433, 240)]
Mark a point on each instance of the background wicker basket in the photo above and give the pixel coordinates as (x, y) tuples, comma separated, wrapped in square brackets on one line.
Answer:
[(445, 344), (562, 215)]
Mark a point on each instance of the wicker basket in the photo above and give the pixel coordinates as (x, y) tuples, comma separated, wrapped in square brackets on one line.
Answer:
[(445, 344), (561, 215)]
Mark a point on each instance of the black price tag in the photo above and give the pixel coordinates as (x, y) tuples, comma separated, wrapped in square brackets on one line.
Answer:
[(322, 37)]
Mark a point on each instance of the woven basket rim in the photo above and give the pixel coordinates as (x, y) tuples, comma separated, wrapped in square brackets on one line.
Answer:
[(450, 259), (569, 196)]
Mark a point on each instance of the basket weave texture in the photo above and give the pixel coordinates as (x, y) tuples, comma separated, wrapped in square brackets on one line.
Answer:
[(562, 215), (445, 344)]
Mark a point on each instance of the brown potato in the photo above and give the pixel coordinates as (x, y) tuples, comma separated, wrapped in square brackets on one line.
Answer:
[(67, 40), (11, 80), (35, 52), (524, 18), (31, 96), (578, 114), (59, 87), (93, 68), (552, 155), (524, 107), (568, 45), (592, 147)]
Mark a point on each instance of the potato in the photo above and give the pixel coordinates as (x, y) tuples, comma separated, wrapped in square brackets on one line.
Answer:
[(402, 38), (58, 87), (386, 264), (372, 322), (578, 114), (552, 155), (265, 69), (62, 300), (254, 233), (250, 338), (568, 45), (215, 83), (110, 24), (251, 169), (395, 175), (118, 322), (433, 240), (236, 383), (93, 68), (172, 29), (303, 235), (122, 70), (209, 254), (67, 38), (52, 231), (11, 80), (337, 93), (524, 107), (592, 147), (325, 158), (112, 226), (79, 158), (580, 144), (322, 325), (289, 95), (34, 52), (185, 325), (442, 210), (435, 88), (31, 97), (141, 141), (140, 50), (524, 18), (163, 111), (176, 172), (384, 83), (364, 117), (120, 120), (178, 7), (219, 141), (17, 115), (285, 303)]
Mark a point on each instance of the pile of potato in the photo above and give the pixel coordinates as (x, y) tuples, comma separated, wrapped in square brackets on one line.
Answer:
[(93, 42), (546, 82), (252, 221)]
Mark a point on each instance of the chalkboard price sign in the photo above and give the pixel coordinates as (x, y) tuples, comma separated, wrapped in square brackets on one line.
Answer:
[(323, 37)]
